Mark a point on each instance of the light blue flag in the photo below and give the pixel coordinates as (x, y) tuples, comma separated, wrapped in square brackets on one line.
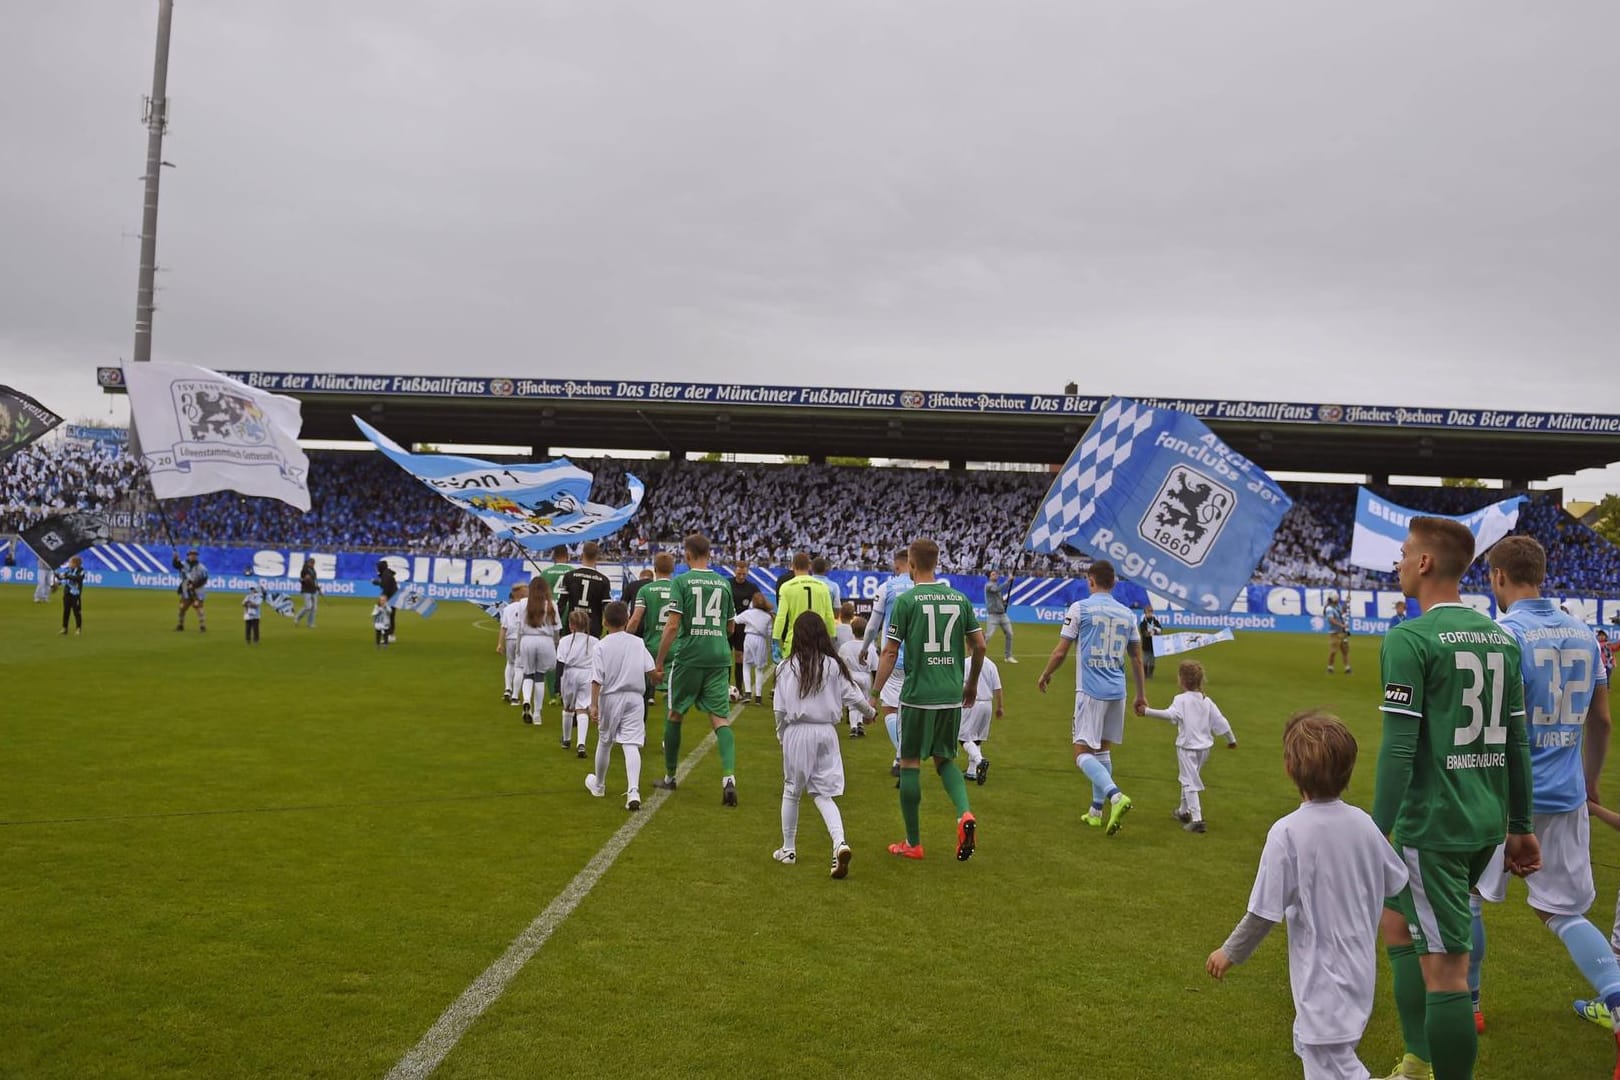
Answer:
[(1159, 495), (280, 603), (492, 609), (1174, 644), (1381, 528), (536, 506), (413, 598)]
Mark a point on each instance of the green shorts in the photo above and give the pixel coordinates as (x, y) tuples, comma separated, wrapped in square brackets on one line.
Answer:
[(704, 689), (1435, 902), (926, 733)]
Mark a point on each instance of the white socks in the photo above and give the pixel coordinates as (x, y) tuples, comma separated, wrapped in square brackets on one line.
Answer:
[(510, 668), (790, 818), (1189, 799), (528, 691), (829, 814), (582, 723), (974, 755), (632, 765)]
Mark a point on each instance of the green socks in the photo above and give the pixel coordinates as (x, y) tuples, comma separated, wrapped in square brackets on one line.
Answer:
[(1451, 1034), (672, 746), (1410, 1000), (727, 744), (955, 786), (911, 803)]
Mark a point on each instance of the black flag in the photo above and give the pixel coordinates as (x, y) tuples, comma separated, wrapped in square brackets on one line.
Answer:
[(57, 539), (22, 420)]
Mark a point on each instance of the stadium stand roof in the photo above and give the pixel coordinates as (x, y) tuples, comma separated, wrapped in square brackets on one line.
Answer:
[(681, 417)]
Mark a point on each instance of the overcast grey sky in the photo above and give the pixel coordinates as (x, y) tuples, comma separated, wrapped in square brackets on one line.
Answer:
[(1398, 202)]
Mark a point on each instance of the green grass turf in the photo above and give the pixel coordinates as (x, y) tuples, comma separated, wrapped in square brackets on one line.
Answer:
[(287, 861)]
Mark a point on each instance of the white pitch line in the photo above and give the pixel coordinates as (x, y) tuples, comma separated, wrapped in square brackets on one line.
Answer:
[(431, 1050)]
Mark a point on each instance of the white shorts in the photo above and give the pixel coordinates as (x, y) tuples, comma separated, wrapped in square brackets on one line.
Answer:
[(1097, 721), (811, 761), (862, 681), (757, 650), (1563, 885), (1333, 1061), (890, 698), (623, 719), (975, 723), (576, 689), (1189, 768), (537, 654)]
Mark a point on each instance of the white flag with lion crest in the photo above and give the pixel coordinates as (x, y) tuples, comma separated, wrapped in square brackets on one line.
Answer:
[(200, 431)]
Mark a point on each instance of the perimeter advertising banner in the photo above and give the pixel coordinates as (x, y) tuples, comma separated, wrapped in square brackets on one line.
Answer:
[(1286, 608)]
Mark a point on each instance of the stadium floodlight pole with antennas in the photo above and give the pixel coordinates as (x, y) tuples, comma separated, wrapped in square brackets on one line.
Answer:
[(157, 122)]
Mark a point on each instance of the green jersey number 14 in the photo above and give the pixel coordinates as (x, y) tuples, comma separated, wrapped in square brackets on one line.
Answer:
[(707, 610)]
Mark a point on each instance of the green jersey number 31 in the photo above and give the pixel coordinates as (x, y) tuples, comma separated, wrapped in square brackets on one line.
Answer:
[(1491, 727)]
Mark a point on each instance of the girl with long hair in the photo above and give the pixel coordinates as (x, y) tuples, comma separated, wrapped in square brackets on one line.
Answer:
[(813, 687), (537, 643)]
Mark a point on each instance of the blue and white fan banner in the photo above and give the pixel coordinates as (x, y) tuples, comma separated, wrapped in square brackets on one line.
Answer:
[(1175, 644), (414, 598), (537, 506), (1159, 495), (493, 610), (280, 603), (1381, 528)]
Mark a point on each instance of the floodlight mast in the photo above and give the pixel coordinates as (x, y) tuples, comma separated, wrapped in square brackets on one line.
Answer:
[(157, 123)]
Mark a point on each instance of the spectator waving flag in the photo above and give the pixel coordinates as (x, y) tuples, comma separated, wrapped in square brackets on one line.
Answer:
[(1159, 495), (1381, 527), (22, 420), (200, 431), (537, 506)]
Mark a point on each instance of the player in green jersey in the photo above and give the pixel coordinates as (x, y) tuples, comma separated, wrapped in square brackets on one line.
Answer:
[(1454, 767), (553, 576), (700, 617), (652, 606), (936, 625)]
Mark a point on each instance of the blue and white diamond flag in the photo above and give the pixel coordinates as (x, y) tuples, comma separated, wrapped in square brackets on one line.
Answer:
[(1159, 495), (537, 506)]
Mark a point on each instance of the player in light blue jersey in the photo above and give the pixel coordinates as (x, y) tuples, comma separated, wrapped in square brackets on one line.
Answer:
[(877, 632), (1107, 633), (1567, 696)]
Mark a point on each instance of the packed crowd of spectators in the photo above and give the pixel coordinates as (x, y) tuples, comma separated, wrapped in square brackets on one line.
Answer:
[(854, 516)]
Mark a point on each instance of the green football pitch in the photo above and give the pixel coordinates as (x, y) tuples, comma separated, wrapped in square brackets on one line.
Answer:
[(290, 860)]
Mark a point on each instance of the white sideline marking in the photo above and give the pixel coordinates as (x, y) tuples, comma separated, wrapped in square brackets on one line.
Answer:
[(431, 1050)]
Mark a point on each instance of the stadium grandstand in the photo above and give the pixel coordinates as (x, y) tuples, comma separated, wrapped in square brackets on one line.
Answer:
[(853, 515)]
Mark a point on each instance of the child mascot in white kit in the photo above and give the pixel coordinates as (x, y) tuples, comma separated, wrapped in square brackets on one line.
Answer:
[(1326, 869), (1198, 720), (576, 657), (813, 687), (537, 646), (619, 703), (506, 643)]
